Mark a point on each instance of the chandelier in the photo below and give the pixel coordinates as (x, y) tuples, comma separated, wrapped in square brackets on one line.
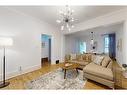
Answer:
[(92, 41), (66, 19)]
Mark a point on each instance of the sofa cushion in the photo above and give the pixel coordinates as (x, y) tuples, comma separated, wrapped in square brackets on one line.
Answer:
[(87, 57), (99, 71), (83, 63), (79, 62), (105, 61), (98, 60)]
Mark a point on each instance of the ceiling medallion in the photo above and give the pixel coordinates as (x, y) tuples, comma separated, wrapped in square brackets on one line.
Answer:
[(66, 19)]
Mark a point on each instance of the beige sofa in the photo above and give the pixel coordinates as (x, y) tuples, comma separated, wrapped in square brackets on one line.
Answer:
[(99, 71), (82, 59)]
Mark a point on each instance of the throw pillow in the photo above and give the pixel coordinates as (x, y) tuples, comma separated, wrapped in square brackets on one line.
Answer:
[(105, 61), (98, 60), (67, 57), (88, 57), (79, 57), (73, 56)]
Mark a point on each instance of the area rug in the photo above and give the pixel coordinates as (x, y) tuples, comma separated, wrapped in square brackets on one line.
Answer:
[(55, 80)]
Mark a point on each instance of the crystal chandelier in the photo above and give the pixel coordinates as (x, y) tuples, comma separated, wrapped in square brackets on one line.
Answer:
[(66, 19)]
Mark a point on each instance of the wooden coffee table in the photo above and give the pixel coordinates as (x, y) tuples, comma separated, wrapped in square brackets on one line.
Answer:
[(72, 66)]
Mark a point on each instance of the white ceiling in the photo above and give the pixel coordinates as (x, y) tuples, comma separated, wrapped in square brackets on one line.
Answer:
[(50, 14), (102, 30)]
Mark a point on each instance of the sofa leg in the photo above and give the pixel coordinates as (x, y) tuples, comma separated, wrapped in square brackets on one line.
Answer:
[(113, 87), (77, 70)]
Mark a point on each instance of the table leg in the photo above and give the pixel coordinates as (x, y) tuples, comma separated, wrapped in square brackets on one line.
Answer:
[(64, 73), (77, 70)]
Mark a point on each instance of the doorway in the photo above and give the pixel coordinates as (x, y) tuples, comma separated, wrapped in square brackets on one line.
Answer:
[(45, 49)]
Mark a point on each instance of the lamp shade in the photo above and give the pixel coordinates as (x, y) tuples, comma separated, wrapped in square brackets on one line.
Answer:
[(6, 41)]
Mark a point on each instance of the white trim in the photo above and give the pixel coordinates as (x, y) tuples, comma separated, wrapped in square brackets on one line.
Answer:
[(17, 73)]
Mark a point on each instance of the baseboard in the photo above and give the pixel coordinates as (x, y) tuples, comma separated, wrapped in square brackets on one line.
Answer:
[(16, 73)]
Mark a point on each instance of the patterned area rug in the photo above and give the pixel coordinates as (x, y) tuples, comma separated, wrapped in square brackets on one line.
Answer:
[(55, 80)]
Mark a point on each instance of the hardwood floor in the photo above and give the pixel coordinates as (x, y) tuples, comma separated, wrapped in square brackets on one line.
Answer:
[(94, 86), (19, 81)]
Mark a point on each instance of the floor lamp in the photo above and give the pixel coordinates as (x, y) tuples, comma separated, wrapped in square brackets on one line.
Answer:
[(4, 42)]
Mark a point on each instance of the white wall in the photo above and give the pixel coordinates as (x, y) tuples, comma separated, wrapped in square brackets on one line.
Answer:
[(124, 45), (97, 38), (119, 52), (26, 33), (71, 45), (63, 48)]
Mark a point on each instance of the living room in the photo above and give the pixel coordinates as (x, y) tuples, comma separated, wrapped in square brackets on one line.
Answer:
[(104, 41), (74, 41), (25, 26)]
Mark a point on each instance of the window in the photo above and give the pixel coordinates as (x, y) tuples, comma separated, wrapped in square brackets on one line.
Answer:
[(82, 47), (106, 44)]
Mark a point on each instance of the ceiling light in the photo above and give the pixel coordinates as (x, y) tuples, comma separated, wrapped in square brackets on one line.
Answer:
[(62, 27), (58, 21), (92, 41), (66, 19)]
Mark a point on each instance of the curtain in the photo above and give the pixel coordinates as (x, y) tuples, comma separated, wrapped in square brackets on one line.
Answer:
[(112, 46)]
